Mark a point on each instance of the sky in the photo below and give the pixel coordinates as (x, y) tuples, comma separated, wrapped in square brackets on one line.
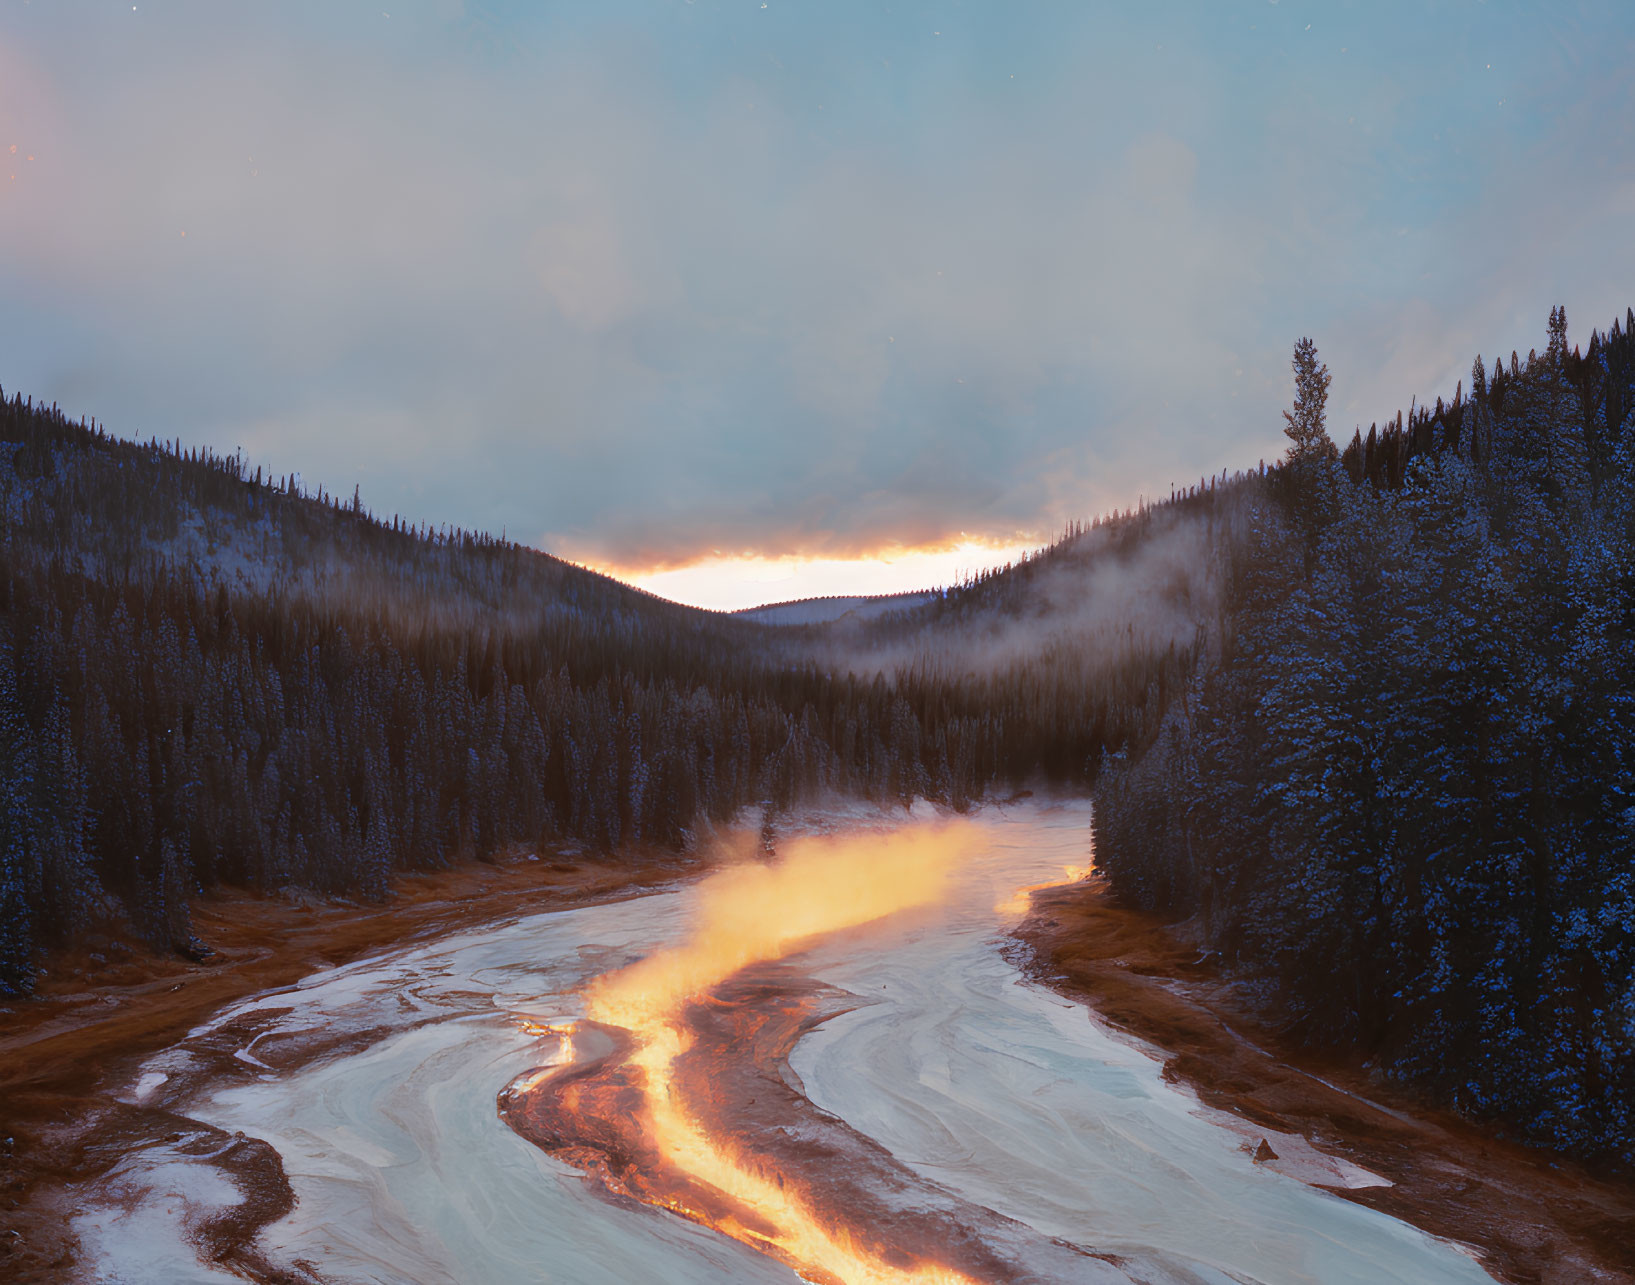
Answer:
[(747, 301)]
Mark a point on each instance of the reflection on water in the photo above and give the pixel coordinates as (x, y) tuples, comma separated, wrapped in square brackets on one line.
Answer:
[(970, 1081), (747, 914)]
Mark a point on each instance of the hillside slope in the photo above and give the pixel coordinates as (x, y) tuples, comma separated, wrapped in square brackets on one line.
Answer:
[(1397, 792), (207, 677), (818, 611)]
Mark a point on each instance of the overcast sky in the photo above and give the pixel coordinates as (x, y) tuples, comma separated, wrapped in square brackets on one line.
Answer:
[(637, 282)]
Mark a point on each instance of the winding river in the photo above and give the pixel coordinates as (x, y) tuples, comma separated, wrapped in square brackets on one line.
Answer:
[(722, 1080)]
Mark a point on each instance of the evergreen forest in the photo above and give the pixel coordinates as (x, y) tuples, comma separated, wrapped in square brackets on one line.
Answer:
[(1364, 720), (209, 677), (1397, 790)]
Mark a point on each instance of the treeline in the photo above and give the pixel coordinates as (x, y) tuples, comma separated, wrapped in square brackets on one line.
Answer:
[(1398, 787), (1367, 717), (208, 677)]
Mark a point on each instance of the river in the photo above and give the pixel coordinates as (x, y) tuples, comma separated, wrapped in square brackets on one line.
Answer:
[(937, 1098)]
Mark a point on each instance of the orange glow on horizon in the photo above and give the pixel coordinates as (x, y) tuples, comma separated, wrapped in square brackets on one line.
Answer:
[(732, 582)]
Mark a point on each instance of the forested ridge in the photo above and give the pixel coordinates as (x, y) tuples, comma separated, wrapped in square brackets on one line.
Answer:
[(1397, 791), (1364, 719), (211, 678)]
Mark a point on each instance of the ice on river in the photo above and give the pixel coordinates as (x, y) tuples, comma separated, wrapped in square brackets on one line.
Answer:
[(981, 1081), (1014, 1098)]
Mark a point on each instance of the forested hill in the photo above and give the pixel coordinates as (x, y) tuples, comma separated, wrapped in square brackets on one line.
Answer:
[(1366, 719), (1398, 788), (818, 611), (207, 677)]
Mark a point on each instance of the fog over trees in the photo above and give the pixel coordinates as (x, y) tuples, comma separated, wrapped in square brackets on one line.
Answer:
[(208, 678), (1363, 719)]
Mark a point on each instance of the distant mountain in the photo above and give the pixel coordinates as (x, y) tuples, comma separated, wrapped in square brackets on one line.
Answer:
[(817, 611)]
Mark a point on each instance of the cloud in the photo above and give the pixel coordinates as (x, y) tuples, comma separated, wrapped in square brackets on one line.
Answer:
[(644, 289), (583, 271)]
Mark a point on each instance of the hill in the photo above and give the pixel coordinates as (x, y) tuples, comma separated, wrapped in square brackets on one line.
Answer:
[(1396, 792), (1362, 722), (817, 611), (208, 677)]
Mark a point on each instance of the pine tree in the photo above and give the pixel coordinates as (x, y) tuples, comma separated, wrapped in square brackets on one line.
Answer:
[(1568, 447), (1309, 441)]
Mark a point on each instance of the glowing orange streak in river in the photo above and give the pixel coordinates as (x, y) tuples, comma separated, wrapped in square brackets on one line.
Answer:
[(1021, 901), (749, 914)]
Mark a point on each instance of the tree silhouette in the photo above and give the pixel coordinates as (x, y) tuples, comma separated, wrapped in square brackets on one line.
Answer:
[(1308, 436)]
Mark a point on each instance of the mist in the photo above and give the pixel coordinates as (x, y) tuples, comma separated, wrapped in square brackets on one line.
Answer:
[(1142, 584)]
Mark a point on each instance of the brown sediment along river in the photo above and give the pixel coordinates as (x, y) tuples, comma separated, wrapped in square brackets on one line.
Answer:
[(824, 1068)]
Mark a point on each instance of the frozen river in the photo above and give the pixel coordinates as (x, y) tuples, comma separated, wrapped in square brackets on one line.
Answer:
[(994, 1093)]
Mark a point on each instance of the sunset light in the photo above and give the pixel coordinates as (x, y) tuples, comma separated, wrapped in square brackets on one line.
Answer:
[(732, 583), (860, 644), (750, 913)]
